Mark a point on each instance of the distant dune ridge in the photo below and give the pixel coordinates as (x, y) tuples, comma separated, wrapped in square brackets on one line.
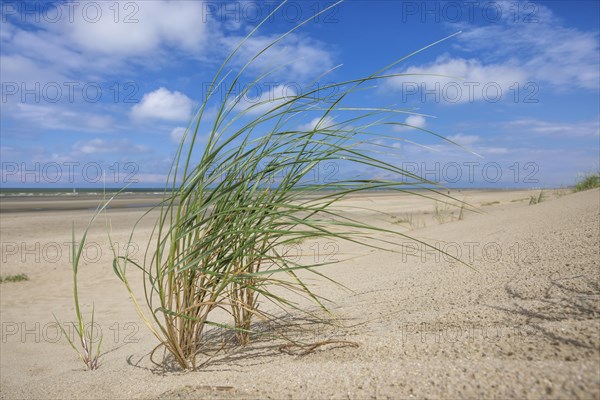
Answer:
[(522, 323)]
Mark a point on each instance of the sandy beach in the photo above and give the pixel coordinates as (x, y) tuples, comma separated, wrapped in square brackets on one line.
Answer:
[(521, 322)]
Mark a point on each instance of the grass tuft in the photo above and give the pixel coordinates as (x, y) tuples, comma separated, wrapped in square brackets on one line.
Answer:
[(216, 245), (443, 213), (590, 181), (14, 278), (536, 199), (406, 218), (490, 203)]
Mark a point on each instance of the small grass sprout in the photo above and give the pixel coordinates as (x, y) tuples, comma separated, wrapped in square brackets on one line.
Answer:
[(461, 214), (89, 351)]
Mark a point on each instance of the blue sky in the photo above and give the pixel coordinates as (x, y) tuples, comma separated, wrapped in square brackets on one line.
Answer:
[(110, 85)]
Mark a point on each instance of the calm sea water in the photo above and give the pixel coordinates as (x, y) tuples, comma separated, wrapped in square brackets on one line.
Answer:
[(30, 192)]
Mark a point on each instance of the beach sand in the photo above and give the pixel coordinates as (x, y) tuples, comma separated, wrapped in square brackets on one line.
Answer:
[(523, 322)]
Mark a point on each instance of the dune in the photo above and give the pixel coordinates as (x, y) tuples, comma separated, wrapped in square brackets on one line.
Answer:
[(519, 319)]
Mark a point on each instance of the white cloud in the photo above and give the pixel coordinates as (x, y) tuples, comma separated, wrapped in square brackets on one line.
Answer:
[(294, 56), (417, 121), (9, 151), (48, 50), (317, 123), (546, 49), (462, 80), (545, 52), (163, 104), (464, 140), (156, 32), (25, 73), (96, 146), (494, 150), (413, 121), (80, 48), (60, 117), (138, 28), (558, 129), (266, 100), (177, 134), (152, 178)]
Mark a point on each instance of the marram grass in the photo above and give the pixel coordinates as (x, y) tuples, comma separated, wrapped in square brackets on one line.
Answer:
[(217, 242)]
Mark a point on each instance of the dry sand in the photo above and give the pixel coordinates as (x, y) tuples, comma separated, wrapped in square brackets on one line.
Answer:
[(524, 324)]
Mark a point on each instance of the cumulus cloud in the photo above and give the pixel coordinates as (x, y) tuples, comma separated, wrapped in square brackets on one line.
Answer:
[(413, 121), (417, 121), (163, 104)]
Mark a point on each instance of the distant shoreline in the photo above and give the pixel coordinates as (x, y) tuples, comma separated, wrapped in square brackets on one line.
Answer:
[(77, 192), (87, 201), (47, 201)]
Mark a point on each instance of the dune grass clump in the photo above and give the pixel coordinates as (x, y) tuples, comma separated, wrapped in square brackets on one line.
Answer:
[(443, 213), (14, 278), (217, 245), (408, 219), (533, 200), (590, 181), (490, 203)]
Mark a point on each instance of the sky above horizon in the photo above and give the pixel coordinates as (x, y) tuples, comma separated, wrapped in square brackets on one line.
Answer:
[(92, 85)]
